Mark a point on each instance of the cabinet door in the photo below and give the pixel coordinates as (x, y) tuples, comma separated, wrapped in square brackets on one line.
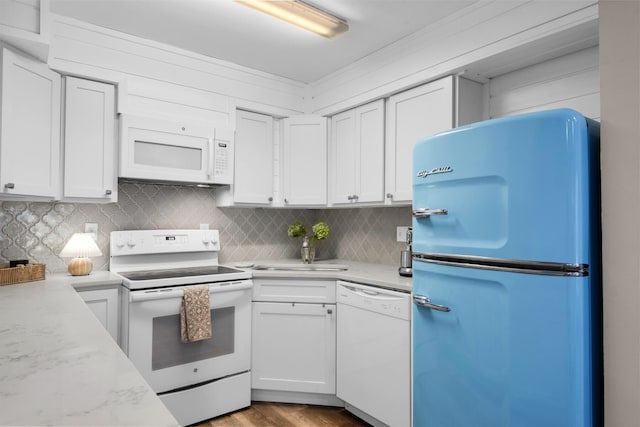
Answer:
[(370, 165), (304, 171), (294, 347), (344, 157), (30, 131), (89, 140), (411, 116), (104, 304), (253, 179)]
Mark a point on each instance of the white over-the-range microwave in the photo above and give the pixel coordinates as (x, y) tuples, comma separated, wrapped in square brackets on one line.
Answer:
[(175, 151)]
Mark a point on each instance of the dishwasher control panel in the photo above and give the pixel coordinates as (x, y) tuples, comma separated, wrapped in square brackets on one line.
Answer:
[(379, 300)]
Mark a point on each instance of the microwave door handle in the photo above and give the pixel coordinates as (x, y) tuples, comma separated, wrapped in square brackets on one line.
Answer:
[(211, 159)]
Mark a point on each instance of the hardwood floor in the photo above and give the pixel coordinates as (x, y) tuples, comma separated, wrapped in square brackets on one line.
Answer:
[(267, 414)]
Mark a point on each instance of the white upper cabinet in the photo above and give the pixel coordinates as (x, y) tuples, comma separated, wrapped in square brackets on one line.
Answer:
[(253, 169), (89, 141), (304, 155), (419, 113), (357, 155), (30, 128)]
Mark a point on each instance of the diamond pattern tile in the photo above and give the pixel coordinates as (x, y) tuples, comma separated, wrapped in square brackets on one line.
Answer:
[(38, 231)]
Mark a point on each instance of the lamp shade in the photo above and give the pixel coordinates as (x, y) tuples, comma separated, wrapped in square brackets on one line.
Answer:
[(80, 245)]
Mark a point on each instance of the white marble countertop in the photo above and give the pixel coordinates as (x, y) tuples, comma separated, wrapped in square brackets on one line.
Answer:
[(385, 276), (59, 366)]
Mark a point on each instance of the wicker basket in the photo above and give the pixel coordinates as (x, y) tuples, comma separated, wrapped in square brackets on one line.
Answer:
[(21, 273)]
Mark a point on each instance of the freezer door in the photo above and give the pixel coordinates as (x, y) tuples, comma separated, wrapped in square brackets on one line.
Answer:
[(513, 349), (521, 187)]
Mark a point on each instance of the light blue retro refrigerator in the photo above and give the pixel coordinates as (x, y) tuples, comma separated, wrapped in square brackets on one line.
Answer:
[(507, 327)]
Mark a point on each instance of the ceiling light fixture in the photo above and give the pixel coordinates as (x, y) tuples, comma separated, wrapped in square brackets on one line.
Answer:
[(301, 14)]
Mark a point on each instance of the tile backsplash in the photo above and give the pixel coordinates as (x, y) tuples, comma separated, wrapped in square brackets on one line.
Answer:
[(39, 230)]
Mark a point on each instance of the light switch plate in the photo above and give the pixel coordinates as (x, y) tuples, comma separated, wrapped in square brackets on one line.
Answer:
[(401, 233), (91, 228)]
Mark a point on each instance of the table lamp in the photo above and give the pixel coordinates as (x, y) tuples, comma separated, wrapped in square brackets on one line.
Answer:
[(80, 247)]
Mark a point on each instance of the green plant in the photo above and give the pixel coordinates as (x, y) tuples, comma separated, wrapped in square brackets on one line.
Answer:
[(320, 231)]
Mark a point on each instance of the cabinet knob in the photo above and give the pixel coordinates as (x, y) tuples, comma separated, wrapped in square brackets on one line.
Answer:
[(329, 311), (184, 128), (10, 185), (286, 200), (108, 192), (349, 197), (389, 196), (355, 197), (270, 199)]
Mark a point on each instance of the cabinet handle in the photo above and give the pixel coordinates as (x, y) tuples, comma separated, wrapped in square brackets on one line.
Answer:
[(108, 192), (329, 311), (389, 196), (10, 185)]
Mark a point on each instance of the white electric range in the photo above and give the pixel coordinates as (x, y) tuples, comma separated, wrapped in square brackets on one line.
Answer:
[(197, 380)]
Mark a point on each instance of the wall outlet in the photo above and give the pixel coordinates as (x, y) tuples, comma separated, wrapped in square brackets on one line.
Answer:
[(91, 228), (401, 233), (204, 226)]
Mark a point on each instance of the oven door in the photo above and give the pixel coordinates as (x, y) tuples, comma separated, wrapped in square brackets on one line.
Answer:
[(166, 363)]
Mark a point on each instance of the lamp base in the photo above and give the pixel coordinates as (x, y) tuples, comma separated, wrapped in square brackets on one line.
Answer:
[(80, 266)]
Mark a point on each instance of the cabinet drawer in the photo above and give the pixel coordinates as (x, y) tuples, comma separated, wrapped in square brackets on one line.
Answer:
[(294, 290)]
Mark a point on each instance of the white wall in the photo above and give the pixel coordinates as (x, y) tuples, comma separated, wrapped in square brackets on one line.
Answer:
[(162, 80), (620, 97), (487, 29), (571, 81)]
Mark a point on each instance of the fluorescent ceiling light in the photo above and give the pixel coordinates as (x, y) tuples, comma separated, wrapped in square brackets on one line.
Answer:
[(301, 14)]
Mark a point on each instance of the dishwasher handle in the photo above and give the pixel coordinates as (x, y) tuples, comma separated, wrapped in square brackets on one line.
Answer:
[(371, 293)]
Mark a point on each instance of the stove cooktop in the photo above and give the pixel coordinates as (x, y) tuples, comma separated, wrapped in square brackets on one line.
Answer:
[(171, 273)]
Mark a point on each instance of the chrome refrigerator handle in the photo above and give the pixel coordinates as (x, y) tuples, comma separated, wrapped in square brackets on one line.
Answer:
[(422, 301), (426, 213)]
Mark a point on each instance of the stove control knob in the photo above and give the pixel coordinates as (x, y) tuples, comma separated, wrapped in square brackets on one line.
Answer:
[(214, 241), (119, 243), (205, 239), (130, 242)]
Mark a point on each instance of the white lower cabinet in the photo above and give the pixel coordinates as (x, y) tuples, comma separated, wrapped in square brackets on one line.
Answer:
[(294, 347), (104, 304), (294, 341)]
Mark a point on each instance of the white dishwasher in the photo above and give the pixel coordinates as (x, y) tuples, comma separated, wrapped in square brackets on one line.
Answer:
[(373, 352)]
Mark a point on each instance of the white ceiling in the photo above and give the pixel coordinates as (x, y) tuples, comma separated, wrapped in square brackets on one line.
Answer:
[(230, 31)]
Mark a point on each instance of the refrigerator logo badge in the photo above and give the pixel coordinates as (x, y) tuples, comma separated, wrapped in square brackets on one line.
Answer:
[(434, 171)]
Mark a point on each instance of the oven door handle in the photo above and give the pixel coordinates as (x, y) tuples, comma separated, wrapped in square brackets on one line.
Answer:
[(167, 293)]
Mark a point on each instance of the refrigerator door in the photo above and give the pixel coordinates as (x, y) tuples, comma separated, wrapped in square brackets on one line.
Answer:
[(514, 349), (512, 188)]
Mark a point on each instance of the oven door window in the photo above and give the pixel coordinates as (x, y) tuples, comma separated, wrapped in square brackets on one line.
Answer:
[(168, 351)]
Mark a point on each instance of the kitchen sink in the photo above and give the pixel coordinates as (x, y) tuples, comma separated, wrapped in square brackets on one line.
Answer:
[(301, 267)]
